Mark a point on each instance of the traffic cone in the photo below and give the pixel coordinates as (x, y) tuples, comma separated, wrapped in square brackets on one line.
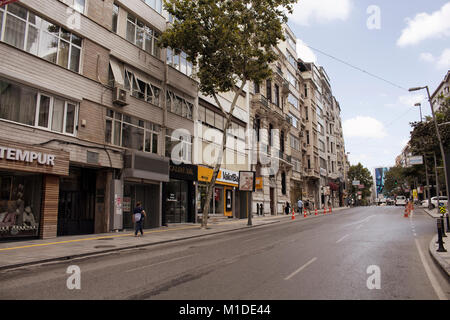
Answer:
[(406, 214), (330, 209), (324, 210), (316, 211), (293, 214), (304, 213)]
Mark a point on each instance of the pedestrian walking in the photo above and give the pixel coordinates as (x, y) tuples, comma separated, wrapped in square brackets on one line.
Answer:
[(300, 205), (138, 218), (287, 208)]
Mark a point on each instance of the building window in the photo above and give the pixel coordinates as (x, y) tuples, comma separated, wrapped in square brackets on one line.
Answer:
[(291, 59), (29, 106), (294, 120), (296, 165), (307, 137), (130, 132), (283, 183), (293, 100), (257, 89), (178, 105), (291, 41), (269, 90), (292, 80), (270, 135), (142, 35), (115, 17), (179, 62), (25, 30), (141, 89), (282, 141), (154, 4), (295, 143), (277, 95)]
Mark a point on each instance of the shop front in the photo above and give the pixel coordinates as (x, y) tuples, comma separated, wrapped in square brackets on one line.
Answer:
[(179, 194), (29, 189), (222, 203), (143, 179)]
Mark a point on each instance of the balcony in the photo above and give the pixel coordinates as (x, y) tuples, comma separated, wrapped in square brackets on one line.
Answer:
[(284, 157), (260, 100)]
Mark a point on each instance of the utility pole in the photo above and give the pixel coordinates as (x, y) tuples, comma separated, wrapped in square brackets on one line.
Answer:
[(428, 181)]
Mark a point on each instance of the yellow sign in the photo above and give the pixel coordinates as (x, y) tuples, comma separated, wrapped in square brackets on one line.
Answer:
[(259, 183), (415, 194), (225, 177), (205, 174)]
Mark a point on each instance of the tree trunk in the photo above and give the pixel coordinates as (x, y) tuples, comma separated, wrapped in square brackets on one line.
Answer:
[(211, 185)]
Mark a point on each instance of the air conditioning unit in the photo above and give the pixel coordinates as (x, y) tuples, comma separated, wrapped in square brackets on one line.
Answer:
[(120, 96)]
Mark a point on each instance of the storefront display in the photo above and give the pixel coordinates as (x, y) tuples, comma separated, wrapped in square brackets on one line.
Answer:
[(20, 204)]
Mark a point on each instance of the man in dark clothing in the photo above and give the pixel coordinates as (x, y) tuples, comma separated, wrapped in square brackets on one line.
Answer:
[(138, 218)]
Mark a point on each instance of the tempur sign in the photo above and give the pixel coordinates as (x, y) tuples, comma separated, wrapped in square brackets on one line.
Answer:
[(20, 155)]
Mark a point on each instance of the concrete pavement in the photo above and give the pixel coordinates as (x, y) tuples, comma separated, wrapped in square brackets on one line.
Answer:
[(23, 253), (442, 258)]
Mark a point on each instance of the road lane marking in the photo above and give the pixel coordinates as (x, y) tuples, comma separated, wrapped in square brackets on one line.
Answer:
[(158, 263), (434, 283), (342, 238), (361, 221), (359, 227), (301, 268)]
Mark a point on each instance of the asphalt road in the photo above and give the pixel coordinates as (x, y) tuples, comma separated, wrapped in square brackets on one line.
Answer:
[(328, 257)]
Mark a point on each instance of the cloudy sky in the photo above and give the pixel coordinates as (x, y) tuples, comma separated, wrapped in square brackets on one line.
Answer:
[(408, 46)]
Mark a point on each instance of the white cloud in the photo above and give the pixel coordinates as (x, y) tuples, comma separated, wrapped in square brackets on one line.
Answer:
[(407, 100), (444, 60), (305, 53), (441, 62), (426, 26), (364, 127), (320, 11), (427, 57)]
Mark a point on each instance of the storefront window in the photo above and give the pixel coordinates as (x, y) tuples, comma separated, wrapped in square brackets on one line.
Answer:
[(177, 201), (20, 204)]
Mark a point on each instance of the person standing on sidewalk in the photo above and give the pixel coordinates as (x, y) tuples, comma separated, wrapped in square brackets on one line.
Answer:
[(138, 218), (287, 208), (300, 205)]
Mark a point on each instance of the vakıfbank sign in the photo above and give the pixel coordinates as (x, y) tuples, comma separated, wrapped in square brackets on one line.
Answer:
[(33, 159), (225, 177)]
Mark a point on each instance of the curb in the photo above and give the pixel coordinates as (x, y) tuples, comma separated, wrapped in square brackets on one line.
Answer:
[(82, 255), (445, 266)]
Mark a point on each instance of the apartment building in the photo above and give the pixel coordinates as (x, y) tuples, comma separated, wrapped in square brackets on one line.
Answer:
[(88, 104), (442, 91)]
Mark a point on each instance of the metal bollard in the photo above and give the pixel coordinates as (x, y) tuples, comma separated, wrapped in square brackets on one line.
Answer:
[(443, 227), (448, 224), (440, 241)]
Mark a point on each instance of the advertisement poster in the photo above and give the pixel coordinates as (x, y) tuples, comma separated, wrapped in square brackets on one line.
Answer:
[(247, 181)]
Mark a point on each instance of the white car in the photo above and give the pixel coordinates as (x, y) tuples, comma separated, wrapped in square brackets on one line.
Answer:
[(400, 201), (442, 199), (424, 203)]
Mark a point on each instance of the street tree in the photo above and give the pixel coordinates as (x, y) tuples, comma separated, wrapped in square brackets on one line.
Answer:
[(229, 42), (359, 172)]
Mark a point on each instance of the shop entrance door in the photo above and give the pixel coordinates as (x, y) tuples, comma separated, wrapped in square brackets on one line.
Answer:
[(272, 201), (76, 210)]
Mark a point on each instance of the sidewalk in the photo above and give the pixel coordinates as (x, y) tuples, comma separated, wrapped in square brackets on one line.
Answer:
[(21, 253), (442, 258)]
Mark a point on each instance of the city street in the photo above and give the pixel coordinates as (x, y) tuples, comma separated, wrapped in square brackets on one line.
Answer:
[(323, 258)]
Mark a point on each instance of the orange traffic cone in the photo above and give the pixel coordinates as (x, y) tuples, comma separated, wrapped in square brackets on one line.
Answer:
[(293, 214), (330, 209), (304, 213), (316, 212), (324, 210)]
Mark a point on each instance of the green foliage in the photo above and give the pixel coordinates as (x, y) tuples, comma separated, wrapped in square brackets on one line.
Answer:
[(358, 172), (230, 41)]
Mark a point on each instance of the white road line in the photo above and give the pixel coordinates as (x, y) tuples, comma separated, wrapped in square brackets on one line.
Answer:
[(158, 263), (359, 227), (361, 221), (434, 283), (342, 238), (301, 268)]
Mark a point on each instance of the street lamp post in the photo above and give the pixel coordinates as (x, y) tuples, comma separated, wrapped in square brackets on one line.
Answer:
[(439, 138)]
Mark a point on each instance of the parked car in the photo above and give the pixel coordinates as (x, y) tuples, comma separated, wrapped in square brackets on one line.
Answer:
[(424, 203), (400, 201), (442, 199), (390, 201)]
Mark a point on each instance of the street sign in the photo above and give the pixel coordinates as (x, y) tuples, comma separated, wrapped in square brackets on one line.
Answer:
[(355, 183), (361, 186), (442, 208), (415, 160)]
